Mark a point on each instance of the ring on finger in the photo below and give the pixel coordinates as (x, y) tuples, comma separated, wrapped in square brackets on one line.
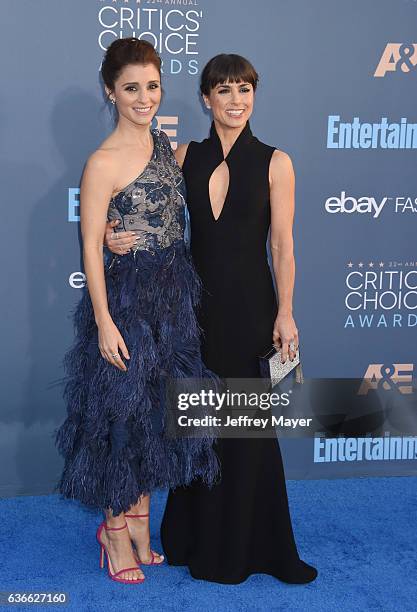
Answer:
[(115, 356)]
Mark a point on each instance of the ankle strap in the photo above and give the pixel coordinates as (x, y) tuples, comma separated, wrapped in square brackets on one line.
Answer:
[(113, 528), (136, 515)]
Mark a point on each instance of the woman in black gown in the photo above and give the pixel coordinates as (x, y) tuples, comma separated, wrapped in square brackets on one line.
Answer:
[(237, 188)]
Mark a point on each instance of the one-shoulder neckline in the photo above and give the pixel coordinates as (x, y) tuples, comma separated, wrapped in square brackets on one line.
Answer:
[(154, 133)]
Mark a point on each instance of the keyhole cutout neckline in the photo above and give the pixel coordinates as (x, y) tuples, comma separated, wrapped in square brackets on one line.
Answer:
[(210, 190), (244, 137)]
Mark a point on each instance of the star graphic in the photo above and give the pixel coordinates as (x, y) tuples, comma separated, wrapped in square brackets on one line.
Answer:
[(360, 264), (371, 264), (350, 264), (381, 264)]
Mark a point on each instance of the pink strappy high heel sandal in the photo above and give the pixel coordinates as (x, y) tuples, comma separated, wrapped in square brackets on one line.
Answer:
[(153, 553), (103, 550)]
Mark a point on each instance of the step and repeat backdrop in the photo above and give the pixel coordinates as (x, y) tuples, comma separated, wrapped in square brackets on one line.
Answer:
[(338, 91)]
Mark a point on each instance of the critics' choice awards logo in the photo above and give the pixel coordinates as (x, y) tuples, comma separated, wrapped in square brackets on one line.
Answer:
[(356, 134), (381, 294), (388, 376), (369, 206), (397, 57), (172, 27)]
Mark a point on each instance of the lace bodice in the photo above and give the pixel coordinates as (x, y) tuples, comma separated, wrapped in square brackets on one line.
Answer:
[(153, 205)]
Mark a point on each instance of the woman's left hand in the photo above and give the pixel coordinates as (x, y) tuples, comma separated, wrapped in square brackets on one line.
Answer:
[(285, 333)]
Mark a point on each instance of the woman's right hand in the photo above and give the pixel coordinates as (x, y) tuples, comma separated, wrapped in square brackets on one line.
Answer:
[(111, 343), (119, 243)]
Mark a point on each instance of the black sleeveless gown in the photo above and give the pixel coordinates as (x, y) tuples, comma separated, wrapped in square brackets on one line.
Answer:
[(242, 525)]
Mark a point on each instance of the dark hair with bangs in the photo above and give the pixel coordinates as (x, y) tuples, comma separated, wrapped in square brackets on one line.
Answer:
[(227, 67)]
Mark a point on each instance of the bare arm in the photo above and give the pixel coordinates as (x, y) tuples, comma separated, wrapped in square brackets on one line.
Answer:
[(180, 153), (95, 194), (282, 182)]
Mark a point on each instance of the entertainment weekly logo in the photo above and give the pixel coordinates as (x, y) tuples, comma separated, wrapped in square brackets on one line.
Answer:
[(172, 26), (373, 207), (397, 57), (358, 134), (380, 294)]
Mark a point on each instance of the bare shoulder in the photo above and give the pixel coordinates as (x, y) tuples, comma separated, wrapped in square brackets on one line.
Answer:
[(180, 153), (281, 166), (101, 164), (100, 159), (98, 180)]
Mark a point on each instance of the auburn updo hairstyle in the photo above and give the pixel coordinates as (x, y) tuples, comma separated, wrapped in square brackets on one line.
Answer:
[(125, 51), (227, 67)]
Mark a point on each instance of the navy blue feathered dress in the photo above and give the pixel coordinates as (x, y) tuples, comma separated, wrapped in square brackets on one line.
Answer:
[(113, 439)]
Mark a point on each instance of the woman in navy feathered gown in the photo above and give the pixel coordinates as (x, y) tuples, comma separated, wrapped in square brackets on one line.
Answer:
[(135, 327)]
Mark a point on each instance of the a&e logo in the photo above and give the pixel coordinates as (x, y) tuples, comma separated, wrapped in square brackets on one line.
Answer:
[(397, 56), (397, 376)]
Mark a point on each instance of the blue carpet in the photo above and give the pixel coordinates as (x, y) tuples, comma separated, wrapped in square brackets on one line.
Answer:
[(360, 533)]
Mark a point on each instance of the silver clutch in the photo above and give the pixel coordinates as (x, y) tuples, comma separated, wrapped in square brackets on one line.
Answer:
[(271, 366)]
